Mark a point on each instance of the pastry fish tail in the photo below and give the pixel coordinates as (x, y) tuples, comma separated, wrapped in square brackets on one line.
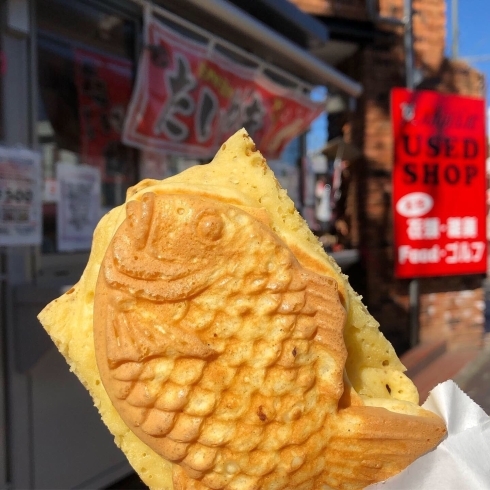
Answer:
[(371, 444)]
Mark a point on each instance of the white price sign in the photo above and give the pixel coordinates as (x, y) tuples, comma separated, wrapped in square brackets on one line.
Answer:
[(79, 206), (20, 197)]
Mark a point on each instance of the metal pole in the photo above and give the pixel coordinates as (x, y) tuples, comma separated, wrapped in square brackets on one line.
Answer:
[(413, 288), (413, 297), (408, 42), (454, 29), (301, 171)]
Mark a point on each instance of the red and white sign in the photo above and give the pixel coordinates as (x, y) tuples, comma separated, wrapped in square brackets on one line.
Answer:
[(188, 99), (439, 184)]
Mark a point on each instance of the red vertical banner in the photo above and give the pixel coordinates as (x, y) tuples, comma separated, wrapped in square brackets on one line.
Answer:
[(439, 184), (104, 86)]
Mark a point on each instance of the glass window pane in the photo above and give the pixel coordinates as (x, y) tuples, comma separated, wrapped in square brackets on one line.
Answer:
[(86, 72)]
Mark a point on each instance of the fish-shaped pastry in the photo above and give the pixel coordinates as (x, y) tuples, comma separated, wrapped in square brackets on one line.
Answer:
[(227, 345), (217, 348)]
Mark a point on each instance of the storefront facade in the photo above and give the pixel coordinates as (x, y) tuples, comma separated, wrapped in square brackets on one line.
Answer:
[(68, 74), (448, 309)]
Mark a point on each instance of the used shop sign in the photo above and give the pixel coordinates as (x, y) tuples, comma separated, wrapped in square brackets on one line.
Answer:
[(189, 98), (439, 184)]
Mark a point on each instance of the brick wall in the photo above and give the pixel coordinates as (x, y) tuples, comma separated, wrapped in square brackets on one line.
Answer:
[(451, 308), (454, 308), (429, 29)]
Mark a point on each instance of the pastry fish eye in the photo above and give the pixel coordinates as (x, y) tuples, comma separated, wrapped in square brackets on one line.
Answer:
[(210, 227)]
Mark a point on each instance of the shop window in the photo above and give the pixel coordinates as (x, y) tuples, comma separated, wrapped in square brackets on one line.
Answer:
[(86, 67)]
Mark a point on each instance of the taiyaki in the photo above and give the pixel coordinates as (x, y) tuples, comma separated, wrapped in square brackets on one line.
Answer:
[(225, 350)]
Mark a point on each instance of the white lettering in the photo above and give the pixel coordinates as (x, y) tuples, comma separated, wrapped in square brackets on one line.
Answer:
[(415, 229), (423, 228), (478, 249), (453, 227), (411, 255), (464, 252), (462, 227), (469, 227), (432, 228)]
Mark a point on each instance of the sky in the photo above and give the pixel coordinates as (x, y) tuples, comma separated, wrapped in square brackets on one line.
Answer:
[(474, 33)]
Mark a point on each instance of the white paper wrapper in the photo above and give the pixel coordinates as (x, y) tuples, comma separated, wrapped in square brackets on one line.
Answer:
[(462, 460)]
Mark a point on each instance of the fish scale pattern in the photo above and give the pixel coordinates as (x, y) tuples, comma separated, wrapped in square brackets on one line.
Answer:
[(228, 359)]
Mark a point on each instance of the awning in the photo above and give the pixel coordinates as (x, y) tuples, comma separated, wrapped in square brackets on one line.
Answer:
[(338, 148), (275, 48)]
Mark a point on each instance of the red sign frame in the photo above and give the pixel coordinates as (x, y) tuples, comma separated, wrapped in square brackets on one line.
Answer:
[(439, 184)]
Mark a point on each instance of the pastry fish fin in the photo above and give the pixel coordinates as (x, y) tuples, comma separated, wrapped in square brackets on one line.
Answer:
[(370, 444), (131, 339), (260, 214), (121, 345), (139, 214)]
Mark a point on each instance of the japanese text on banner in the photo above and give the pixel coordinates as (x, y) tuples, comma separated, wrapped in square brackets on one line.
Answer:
[(188, 100)]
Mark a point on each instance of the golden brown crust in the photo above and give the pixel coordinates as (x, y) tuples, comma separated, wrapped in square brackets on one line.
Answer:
[(207, 330), (378, 444), (266, 403)]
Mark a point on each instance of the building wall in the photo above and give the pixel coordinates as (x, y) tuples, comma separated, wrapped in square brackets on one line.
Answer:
[(348, 9), (450, 308)]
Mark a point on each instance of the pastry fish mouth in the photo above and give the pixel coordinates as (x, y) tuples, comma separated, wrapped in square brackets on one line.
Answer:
[(171, 282), (164, 268)]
